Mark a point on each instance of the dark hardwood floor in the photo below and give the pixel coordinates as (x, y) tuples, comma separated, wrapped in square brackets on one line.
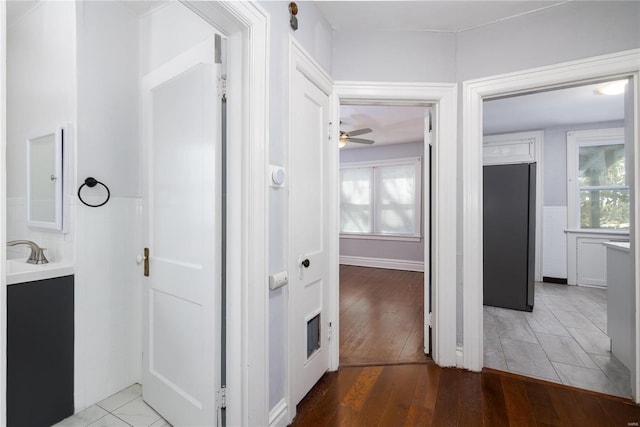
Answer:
[(427, 395), (381, 316), (390, 382)]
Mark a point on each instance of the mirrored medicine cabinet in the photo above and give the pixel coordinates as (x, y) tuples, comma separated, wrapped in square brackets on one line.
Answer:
[(45, 179)]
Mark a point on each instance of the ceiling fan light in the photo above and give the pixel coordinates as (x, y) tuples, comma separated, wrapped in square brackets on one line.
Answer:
[(342, 142), (612, 88)]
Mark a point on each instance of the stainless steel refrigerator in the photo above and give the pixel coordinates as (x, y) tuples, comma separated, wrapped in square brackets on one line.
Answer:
[(509, 235)]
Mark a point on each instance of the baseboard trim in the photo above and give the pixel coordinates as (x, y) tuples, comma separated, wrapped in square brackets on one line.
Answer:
[(460, 356), (391, 264), (554, 280), (278, 415)]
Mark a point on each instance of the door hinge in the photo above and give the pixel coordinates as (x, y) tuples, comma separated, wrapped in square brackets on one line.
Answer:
[(222, 397), (428, 320), (222, 86), (329, 331), (330, 130)]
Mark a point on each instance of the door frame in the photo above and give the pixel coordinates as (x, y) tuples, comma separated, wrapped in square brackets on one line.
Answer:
[(442, 97), (620, 64), (246, 26), (3, 213)]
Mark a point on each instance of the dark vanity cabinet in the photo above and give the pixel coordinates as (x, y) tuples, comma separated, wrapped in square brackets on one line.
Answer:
[(40, 333)]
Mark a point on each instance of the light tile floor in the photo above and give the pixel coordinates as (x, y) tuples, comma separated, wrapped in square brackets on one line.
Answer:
[(123, 409), (563, 340)]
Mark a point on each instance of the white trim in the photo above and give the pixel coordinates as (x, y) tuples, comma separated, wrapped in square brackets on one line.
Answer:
[(620, 64), (443, 270), (391, 264), (246, 26), (389, 237), (278, 415), (383, 162), (537, 156), (507, 139), (635, 229), (459, 355), (57, 223), (3, 213), (582, 138), (596, 231)]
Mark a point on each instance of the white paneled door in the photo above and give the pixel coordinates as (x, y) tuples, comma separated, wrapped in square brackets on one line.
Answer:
[(309, 150), (181, 114)]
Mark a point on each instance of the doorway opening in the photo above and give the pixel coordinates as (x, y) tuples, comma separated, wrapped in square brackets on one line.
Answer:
[(384, 250), (547, 307)]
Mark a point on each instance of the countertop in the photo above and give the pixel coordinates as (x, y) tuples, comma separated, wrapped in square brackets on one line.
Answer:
[(621, 246), (18, 271)]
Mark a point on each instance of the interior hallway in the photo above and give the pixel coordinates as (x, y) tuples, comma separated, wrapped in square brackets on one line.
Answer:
[(381, 316)]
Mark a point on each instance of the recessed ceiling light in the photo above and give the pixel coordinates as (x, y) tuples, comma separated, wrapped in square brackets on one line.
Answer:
[(611, 88)]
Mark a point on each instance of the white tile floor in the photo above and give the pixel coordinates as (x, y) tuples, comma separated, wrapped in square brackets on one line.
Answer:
[(563, 340), (124, 409)]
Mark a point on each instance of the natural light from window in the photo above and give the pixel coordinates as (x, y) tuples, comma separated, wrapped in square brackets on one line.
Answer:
[(604, 197), (381, 199)]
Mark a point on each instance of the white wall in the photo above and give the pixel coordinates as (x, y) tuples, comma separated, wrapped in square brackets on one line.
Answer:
[(394, 56), (166, 32), (314, 34), (107, 285), (572, 30), (41, 94), (108, 353), (384, 249), (107, 129)]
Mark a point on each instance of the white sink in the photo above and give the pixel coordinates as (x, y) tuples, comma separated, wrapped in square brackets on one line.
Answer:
[(18, 271)]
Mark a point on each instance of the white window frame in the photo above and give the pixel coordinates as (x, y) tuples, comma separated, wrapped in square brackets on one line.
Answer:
[(586, 138), (417, 233)]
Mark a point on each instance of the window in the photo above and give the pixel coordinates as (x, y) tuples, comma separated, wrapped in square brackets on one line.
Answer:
[(598, 194), (381, 198)]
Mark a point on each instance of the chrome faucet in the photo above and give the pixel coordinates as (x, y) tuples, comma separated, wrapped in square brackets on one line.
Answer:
[(37, 253)]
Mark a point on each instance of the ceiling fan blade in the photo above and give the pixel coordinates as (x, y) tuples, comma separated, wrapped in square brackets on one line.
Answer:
[(360, 140), (359, 132)]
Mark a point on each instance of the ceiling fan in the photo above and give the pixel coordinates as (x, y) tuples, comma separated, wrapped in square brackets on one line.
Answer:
[(349, 137)]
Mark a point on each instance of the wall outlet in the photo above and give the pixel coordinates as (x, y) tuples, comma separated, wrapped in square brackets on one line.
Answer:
[(278, 280)]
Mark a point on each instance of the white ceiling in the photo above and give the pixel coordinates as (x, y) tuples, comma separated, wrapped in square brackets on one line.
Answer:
[(390, 124), (578, 105), (446, 16)]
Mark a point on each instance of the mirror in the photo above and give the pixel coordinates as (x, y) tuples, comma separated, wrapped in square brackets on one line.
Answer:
[(44, 179)]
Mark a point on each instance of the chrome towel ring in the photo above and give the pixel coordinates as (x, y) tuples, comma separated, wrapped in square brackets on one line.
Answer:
[(92, 182)]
